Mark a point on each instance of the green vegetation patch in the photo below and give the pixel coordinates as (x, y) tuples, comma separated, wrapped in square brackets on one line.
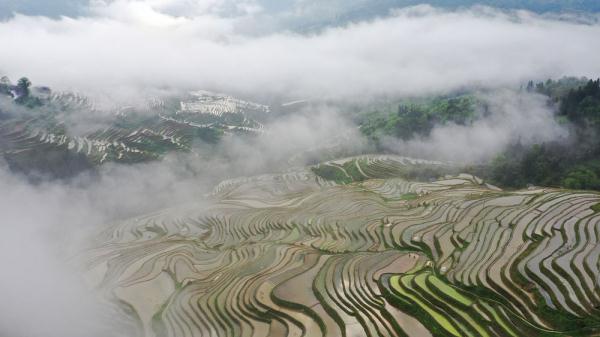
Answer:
[(450, 311), (348, 172), (332, 173), (410, 118), (409, 196)]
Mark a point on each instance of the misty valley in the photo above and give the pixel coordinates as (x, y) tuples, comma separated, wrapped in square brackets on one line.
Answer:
[(300, 168), (354, 243)]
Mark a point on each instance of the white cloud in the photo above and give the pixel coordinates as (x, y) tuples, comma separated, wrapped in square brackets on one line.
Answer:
[(142, 44)]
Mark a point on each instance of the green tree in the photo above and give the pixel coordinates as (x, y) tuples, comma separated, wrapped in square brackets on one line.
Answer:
[(23, 85), (530, 86), (4, 85), (412, 119), (581, 178)]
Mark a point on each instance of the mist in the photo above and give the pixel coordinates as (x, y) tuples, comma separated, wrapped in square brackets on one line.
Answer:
[(45, 227), (512, 117)]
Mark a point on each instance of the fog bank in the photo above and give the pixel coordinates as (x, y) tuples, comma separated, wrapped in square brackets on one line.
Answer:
[(140, 45)]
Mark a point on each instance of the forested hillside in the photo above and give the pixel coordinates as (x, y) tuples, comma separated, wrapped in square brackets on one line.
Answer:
[(572, 163), (569, 162)]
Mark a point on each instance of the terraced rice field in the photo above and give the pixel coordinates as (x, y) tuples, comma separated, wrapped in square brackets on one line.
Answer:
[(19, 138), (205, 102), (125, 137), (369, 254)]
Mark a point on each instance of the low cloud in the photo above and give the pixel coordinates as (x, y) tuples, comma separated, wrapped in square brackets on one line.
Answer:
[(296, 140), (41, 294), (143, 44), (44, 230)]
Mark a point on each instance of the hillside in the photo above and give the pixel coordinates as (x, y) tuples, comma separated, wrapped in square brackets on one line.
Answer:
[(61, 134), (302, 254)]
